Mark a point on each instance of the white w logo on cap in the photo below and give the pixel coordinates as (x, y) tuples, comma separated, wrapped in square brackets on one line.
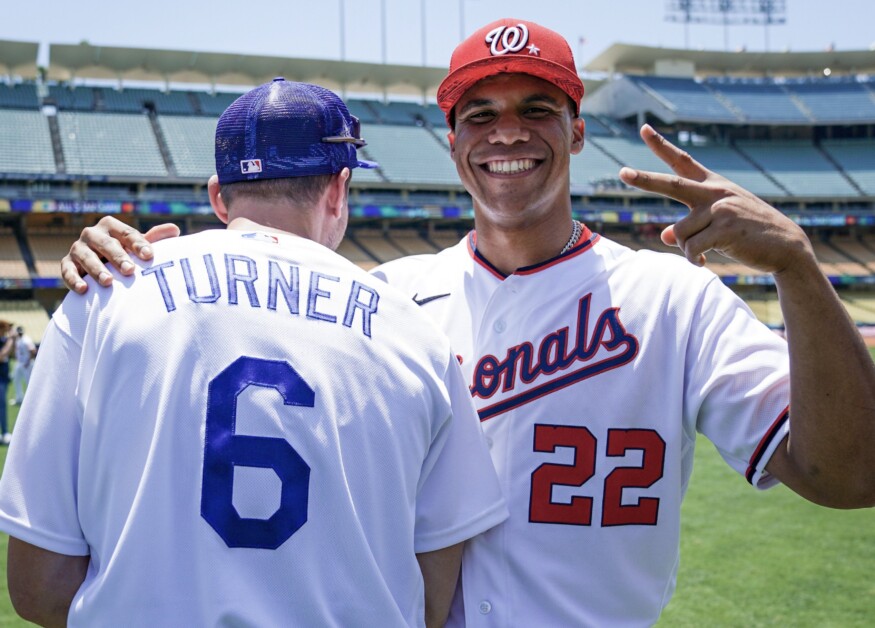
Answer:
[(510, 38)]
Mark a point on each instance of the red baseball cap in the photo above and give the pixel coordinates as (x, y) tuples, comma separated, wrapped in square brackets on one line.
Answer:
[(510, 46)]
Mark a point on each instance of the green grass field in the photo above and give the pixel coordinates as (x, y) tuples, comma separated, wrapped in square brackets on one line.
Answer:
[(748, 558)]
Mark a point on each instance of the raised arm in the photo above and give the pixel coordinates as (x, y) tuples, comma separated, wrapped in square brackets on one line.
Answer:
[(114, 240), (828, 456)]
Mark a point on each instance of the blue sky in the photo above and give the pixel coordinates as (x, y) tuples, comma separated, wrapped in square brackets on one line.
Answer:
[(291, 28)]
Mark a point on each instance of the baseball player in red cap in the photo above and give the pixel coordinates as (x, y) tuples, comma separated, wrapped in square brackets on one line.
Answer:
[(593, 366)]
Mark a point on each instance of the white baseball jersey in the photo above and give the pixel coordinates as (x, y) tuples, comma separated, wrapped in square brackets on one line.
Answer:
[(592, 373), (23, 348), (252, 432)]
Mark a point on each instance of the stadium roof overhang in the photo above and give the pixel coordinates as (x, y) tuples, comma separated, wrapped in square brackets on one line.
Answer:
[(84, 61), (629, 59), (18, 58)]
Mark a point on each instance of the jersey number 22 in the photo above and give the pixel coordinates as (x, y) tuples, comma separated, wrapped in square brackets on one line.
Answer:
[(542, 508)]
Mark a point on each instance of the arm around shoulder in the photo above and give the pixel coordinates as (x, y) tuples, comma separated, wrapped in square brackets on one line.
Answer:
[(41, 583)]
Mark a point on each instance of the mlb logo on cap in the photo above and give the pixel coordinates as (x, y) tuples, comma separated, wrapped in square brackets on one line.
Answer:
[(249, 166)]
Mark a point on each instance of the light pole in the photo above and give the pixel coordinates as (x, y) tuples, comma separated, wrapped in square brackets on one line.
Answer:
[(383, 27), (461, 20), (342, 7), (424, 32)]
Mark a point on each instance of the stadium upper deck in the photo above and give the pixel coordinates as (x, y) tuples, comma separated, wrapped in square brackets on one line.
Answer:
[(731, 106)]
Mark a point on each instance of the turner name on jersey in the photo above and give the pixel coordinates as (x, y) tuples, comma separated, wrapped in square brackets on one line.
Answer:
[(236, 279)]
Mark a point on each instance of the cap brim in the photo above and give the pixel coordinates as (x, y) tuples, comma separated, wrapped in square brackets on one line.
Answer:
[(364, 163)]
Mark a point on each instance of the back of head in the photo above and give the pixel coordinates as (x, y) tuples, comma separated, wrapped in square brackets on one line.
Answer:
[(286, 130), (510, 46)]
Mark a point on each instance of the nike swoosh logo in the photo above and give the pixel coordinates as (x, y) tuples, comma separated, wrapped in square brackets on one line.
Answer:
[(425, 300)]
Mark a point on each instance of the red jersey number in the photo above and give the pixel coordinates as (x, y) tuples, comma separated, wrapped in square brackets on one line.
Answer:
[(542, 508)]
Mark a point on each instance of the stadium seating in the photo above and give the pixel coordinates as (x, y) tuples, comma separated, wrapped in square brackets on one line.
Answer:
[(728, 162), (48, 246), (857, 159), (20, 96), (592, 169), (354, 253), (688, 99), (110, 144), (761, 102), (397, 112), (766, 308), (799, 167), (12, 264), (834, 262), (836, 102), (629, 152), (409, 154), (364, 110), (191, 143), (214, 104), (409, 242), (25, 143), (444, 238), (854, 249), (861, 307), (71, 98), (434, 116), (375, 244), (29, 314), (595, 127), (136, 100)]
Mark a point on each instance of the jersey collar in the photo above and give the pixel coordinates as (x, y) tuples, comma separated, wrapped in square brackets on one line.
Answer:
[(586, 242)]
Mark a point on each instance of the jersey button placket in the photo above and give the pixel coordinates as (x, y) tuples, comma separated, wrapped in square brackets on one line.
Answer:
[(485, 607)]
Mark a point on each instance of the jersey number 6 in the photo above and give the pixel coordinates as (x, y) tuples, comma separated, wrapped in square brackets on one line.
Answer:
[(542, 508), (223, 450)]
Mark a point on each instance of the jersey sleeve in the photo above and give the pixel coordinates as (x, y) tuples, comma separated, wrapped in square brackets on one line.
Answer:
[(459, 494), (38, 502), (739, 380)]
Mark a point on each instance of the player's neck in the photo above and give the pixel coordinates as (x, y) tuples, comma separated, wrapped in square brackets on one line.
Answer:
[(245, 224), (510, 249)]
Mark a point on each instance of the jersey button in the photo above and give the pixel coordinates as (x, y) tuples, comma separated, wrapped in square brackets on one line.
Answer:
[(499, 326), (485, 607)]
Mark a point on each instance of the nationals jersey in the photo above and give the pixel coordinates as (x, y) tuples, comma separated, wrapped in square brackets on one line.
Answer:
[(592, 374), (251, 431)]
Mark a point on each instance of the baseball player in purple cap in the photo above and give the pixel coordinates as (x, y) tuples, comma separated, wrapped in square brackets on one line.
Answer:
[(245, 437), (593, 367)]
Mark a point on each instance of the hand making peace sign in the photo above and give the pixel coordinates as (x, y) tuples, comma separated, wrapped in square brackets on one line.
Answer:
[(723, 216)]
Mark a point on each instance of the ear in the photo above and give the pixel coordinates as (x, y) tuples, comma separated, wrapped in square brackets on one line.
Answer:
[(216, 200), (451, 137), (578, 127), (335, 193)]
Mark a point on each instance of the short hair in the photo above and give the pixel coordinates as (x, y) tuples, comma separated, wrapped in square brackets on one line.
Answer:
[(303, 191)]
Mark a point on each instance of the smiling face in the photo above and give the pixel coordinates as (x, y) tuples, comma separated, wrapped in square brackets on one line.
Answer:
[(512, 142)]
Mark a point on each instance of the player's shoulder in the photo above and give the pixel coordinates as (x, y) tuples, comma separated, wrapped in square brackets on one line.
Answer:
[(413, 269)]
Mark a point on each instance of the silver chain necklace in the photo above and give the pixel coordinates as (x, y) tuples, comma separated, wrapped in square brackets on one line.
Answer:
[(575, 236)]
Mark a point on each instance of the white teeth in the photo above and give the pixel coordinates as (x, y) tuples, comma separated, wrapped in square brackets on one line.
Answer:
[(510, 167)]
